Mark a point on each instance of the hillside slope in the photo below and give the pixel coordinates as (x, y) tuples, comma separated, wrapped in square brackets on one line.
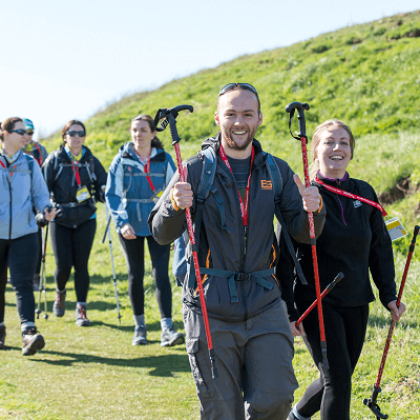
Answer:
[(367, 75)]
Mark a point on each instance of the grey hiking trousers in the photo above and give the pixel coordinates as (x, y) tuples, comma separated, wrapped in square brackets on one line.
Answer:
[(254, 362)]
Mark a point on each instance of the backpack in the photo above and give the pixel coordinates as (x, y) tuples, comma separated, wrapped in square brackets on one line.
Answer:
[(206, 186)]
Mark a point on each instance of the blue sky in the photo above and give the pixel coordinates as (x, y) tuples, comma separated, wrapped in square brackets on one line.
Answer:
[(63, 60)]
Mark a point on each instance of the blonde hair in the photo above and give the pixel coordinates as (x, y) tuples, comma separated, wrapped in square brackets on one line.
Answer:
[(317, 138)]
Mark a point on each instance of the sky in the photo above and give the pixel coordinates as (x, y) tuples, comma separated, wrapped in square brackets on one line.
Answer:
[(63, 60)]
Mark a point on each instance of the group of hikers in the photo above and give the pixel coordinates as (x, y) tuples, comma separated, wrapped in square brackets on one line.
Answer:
[(253, 293)]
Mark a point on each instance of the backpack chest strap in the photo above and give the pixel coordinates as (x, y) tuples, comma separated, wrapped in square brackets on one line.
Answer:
[(232, 276)]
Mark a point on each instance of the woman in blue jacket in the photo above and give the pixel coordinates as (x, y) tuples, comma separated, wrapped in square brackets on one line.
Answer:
[(137, 177), (22, 188)]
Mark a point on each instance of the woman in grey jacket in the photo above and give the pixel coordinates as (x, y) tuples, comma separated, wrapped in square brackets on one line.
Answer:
[(22, 188)]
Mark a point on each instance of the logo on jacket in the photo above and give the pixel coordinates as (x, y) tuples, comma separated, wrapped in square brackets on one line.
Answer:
[(357, 204), (266, 185)]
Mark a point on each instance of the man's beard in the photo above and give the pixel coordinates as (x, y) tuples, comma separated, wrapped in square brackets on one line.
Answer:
[(231, 143)]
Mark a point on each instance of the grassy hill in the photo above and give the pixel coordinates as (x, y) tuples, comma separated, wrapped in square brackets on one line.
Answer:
[(366, 75)]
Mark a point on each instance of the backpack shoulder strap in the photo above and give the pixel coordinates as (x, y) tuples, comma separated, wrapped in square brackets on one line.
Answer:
[(207, 174), (30, 161), (277, 181), (276, 178), (204, 187)]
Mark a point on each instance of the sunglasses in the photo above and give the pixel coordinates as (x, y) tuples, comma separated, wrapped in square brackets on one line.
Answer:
[(76, 133), (29, 132), (232, 86), (21, 131)]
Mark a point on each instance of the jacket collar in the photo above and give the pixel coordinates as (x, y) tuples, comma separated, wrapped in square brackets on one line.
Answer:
[(62, 154), (338, 183), (127, 151)]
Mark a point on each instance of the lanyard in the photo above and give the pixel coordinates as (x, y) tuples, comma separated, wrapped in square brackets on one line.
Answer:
[(244, 206), (147, 169), (75, 166), (349, 195)]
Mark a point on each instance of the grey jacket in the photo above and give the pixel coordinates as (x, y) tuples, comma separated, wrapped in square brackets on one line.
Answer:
[(22, 187), (221, 242)]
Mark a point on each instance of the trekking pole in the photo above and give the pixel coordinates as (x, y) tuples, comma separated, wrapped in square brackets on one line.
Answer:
[(114, 276), (169, 116), (43, 283), (371, 402), (323, 294), (303, 140), (107, 224)]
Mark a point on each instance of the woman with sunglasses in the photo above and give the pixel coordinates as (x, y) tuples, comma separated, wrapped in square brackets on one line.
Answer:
[(22, 188), (137, 177), (76, 180), (39, 153)]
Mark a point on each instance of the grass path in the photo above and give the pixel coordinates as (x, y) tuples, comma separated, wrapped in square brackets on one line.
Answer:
[(95, 373)]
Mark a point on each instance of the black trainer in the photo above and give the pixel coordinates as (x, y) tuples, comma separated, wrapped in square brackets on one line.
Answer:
[(2, 336), (32, 341)]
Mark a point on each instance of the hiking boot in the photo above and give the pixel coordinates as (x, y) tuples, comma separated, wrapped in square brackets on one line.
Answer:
[(170, 337), (140, 336), (2, 336), (59, 307), (31, 341), (81, 318), (36, 283)]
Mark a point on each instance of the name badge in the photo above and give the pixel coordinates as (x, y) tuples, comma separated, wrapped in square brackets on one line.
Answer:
[(82, 194), (395, 228)]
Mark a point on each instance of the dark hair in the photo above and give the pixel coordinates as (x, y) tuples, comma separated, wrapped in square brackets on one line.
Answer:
[(69, 124), (144, 117), (8, 125)]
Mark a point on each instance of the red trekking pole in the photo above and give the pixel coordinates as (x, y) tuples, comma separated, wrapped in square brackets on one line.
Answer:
[(327, 290), (169, 116), (371, 402), (303, 140)]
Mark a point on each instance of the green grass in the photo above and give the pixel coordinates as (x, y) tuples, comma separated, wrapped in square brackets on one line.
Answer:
[(95, 373)]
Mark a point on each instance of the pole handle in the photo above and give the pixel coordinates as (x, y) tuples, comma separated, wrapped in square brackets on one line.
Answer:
[(300, 107), (169, 115)]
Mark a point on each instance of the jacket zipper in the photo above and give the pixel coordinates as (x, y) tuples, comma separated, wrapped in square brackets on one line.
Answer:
[(341, 205), (10, 207)]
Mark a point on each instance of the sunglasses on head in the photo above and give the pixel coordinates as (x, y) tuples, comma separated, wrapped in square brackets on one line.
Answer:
[(233, 86), (76, 133), (21, 131)]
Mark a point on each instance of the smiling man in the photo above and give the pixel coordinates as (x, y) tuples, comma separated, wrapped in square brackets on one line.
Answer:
[(237, 251)]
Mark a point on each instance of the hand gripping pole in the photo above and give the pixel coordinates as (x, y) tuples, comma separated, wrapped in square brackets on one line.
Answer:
[(169, 118), (323, 294), (371, 402), (303, 140)]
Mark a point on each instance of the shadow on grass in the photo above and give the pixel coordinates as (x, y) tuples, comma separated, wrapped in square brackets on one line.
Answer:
[(153, 326), (163, 365)]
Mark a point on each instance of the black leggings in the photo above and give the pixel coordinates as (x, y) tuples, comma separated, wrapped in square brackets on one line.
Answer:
[(134, 256), (20, 256), (72, 249), (345, 329), (39, 260)]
